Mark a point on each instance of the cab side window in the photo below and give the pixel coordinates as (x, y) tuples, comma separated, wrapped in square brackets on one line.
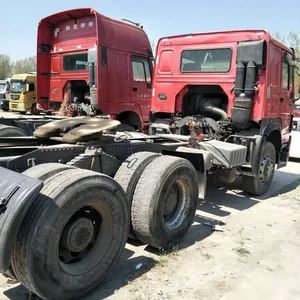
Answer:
[(141, 69), (285, 73), (31, 87)]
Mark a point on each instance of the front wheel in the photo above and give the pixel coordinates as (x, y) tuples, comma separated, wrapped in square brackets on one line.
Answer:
[(34, 110), (260, 184)]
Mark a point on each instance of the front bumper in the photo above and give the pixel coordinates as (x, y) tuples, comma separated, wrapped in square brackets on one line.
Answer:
[(17, 106)]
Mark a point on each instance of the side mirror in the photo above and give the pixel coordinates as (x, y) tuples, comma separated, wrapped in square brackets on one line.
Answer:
[(92, 55)]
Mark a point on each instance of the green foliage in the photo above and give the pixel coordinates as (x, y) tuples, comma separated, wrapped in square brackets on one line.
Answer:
[(25, 65), (8, 67), (292, 40)]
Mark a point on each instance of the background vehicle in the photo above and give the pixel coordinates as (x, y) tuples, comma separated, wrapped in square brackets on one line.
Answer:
[(296, 110), (23, 93), (4, 94), (226, 88), (86, 49)]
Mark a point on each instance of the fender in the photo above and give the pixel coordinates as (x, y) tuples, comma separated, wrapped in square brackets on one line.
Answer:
[(269, 125), (201, 160), (17, 192), (124, 107)]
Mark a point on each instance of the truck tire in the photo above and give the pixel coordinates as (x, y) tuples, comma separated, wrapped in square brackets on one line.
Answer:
[(10, 274), (44, 171), (130, 172), (164, 202), (72, 236), (260, 184), (11, 131), (125, 127), (34, 110)]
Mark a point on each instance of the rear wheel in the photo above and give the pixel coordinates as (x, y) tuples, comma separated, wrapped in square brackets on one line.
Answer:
[(164, 202), (34, 110), (260, 184), (42, 172), (72, 236), (45, 171), (130, 172), (11, 131), (125, 127)]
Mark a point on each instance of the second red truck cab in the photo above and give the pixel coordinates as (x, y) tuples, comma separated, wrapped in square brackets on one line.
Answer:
[(81, 48), (231, 86)]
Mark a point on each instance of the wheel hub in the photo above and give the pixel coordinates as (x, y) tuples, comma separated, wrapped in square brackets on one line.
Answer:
[(267, 169), (77, 235), (171, 201)]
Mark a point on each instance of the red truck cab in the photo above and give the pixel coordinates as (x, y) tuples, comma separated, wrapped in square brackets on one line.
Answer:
[(120, 68), (236, 87)]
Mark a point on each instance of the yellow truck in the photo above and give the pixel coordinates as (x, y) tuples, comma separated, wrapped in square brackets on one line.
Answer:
[(23, 93)]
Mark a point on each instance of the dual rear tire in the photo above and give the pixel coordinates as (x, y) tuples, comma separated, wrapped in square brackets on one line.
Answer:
[(75, 231), (73, 234), (162, 192), (11, 131)]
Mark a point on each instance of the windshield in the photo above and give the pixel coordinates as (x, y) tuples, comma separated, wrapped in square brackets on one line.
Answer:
[(297, 107), (206, 60), (17, 86), (2, 87), (75, 62)]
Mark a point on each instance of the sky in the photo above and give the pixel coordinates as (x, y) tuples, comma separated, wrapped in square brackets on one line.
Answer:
[(19, 19)]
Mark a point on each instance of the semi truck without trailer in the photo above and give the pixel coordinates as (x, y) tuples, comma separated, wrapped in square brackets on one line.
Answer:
[(73, 193), (105, 62)]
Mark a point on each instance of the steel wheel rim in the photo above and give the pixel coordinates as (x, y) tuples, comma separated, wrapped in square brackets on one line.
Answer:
[(176, 204), (96, 244), (267, 169)]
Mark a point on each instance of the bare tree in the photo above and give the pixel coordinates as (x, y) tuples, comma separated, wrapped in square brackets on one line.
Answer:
[(153, 45)]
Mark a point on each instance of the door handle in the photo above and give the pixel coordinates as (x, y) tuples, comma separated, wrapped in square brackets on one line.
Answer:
[(281, 100), (134, 89)]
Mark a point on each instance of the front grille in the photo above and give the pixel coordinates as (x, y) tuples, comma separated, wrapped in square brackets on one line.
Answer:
[(14, 97), (2, 96)]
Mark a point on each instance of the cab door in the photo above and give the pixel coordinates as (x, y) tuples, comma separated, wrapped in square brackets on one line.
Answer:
[(141, 84), (285, 104), (30, 97)]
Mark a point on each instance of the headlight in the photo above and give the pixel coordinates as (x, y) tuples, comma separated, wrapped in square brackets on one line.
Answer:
[(21, 105)]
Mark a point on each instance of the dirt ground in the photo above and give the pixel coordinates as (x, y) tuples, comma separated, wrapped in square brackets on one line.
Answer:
[(256, 256)]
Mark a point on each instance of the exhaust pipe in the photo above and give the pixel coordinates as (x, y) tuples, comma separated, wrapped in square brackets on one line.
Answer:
[(251, 56), (244, 92)]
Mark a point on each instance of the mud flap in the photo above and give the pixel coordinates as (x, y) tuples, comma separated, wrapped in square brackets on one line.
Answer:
[(284, 154), (17, 193)]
